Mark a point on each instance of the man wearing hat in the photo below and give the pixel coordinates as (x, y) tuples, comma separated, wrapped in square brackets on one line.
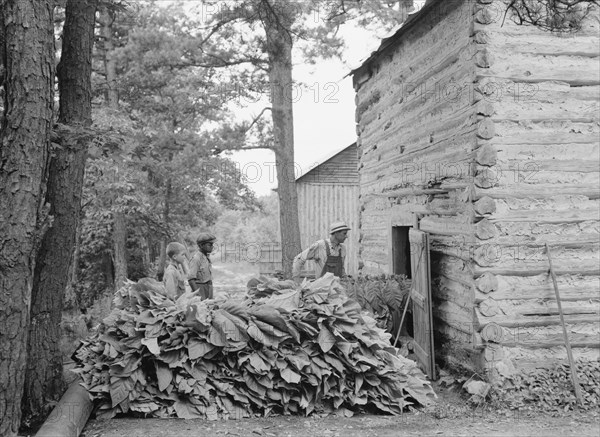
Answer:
[(200, 271), (328, 254)]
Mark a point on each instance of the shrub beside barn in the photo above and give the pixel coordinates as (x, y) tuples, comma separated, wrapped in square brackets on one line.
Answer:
[(485, 134)]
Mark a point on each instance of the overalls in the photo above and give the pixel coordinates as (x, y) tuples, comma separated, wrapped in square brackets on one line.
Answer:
[(205, 291), (333, 264)]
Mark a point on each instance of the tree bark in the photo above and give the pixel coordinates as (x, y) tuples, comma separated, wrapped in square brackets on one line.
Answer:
[(2, 52), (145, 249), (108, 270), (119, 254), (44, 373), (166, 220), (74, 275), (70, 297), (279, 49), (110, 65), (24, 151)]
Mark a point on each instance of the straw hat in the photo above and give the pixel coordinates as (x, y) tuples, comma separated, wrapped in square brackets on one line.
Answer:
[(338, 226)]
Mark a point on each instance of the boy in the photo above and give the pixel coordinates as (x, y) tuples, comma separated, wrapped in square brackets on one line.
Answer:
[(200, 273), (176, 270)]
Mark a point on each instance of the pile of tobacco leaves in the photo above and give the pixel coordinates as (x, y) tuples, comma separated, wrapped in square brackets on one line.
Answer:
[(278, 349)]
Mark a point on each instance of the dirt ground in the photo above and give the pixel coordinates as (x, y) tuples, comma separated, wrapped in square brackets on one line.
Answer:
[(411, 424), (451, 416)]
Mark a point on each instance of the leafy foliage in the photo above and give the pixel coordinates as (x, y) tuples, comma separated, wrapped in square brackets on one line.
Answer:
[(245, 228), (552, 389), (281, 349), (152, 161), (383, 296)]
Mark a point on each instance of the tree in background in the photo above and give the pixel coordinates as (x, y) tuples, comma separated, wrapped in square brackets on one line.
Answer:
[(165, 83), (24, 151), (263, 33), (108, 38), (249, 237), (158, 171)]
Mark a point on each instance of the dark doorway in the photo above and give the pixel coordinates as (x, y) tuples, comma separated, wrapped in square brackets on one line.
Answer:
[(401, 266), (401, 251)]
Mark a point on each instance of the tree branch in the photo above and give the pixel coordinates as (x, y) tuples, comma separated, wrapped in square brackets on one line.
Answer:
[(551, 15), (268, 108)]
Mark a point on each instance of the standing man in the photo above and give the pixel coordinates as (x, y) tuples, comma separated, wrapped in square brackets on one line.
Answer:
[(328, 254), (200, 272)]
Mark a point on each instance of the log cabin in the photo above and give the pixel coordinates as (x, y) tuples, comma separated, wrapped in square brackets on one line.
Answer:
[(485, 135)]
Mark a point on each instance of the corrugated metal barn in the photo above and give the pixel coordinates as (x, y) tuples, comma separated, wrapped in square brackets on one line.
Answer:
[(485, 135), (329, 192)]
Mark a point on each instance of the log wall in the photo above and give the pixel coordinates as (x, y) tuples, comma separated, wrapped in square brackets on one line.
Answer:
[(417, 129), (490, 133), (541, 182)]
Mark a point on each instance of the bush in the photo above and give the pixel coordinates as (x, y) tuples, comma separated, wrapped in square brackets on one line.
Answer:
[(384, 296), (552, 389)]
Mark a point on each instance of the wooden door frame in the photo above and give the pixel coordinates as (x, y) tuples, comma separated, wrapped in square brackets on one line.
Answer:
[(397, 217), (421, 296), (400, 217)]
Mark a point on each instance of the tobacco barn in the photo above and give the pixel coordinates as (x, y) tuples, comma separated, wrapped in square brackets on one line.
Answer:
[(329, 192), (479, 139)]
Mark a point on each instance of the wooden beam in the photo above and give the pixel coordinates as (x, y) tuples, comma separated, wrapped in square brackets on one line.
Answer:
[(567, 267), (518, 320), (577, 340), (538, 191), (547, 216), (573, 369)]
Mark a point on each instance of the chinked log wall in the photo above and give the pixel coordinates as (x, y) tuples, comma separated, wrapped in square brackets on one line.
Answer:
[(417, 125), (490, 131), (540, 183)]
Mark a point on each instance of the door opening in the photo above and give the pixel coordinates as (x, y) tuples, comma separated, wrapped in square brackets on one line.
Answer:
[(401, 265), (401, 251)]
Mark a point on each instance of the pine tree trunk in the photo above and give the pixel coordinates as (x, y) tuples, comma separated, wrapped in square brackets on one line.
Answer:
[(112, 98), (110, 65), (74, 275), (279, 48), (145, 249), (119, 254), (2, 51), (70, 290), (166, 221), (108, 270), (23, 161), (162, 259), (44, 377)]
